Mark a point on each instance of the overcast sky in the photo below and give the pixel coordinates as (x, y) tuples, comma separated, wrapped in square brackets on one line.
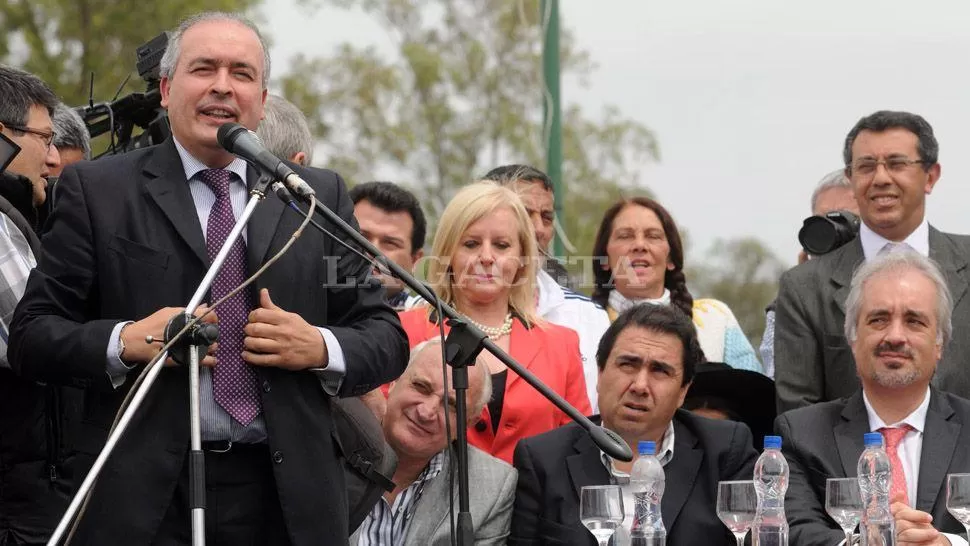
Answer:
[(750, 99)]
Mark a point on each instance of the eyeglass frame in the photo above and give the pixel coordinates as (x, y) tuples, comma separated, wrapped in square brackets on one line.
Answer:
[(885, 163), (49, 138)]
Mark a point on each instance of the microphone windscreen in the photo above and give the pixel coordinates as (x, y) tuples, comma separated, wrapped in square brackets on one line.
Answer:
[(228, 133)]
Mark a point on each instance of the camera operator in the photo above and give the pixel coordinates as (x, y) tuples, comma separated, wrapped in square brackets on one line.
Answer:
[(33, 418), (833, 194), (891, 162)]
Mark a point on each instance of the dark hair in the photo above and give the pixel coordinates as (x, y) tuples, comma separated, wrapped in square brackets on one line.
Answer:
[(662, 319), (883, 120), (390, 197), (507, 174), (21, 91), (712, 402), (674, 279)]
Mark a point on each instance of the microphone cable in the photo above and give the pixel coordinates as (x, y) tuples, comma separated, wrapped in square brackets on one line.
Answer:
[(171, 342)]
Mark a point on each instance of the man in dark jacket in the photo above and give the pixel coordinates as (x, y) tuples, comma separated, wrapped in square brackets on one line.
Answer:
[(33, 489)]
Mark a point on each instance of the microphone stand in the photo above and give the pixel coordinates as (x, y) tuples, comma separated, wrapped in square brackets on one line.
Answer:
[(462, 346), (191, 348)]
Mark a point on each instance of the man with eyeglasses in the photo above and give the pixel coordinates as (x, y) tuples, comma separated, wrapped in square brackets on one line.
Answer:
[(25, 118), (34, 418), (891, 161)]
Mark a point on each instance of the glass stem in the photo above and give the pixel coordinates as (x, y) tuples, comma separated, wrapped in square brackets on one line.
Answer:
[(848, 538), (740, 538)]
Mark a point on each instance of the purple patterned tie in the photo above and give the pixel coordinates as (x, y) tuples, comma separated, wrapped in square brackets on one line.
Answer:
[(234, 383)]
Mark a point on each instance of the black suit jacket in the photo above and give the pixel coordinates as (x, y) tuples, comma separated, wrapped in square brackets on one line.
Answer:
[(825, 441), (813, 361), (124, 241), (554, 466)]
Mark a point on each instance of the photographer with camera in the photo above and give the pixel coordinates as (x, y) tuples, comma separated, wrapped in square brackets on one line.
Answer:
[(891, 163), (829, 227), (833, 223)]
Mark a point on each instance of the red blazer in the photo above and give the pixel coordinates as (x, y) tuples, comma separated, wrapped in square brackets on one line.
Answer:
[(551, 353)]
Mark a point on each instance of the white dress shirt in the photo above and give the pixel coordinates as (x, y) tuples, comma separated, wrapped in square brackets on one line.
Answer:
[(872, 242), (621, 537), (910, 449)]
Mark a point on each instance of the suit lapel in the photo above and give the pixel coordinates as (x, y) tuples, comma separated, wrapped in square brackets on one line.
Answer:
[(952, 263), (432, 510), (262, 224), (849, 432), (681, 473), (939, 442), (585, 465), (523, 346), (167, 186), (846, 265)]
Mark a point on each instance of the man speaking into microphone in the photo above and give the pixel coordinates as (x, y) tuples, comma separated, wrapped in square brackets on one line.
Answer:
[(130, 240)]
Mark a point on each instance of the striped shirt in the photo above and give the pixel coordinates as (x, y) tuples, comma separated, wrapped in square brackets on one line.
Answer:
[(16, 261), (387, 524)]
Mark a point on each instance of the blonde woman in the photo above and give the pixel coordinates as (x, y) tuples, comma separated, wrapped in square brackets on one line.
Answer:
[(483, 263)]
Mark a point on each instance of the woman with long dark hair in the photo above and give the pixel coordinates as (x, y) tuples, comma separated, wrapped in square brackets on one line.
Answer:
[(641, 260)]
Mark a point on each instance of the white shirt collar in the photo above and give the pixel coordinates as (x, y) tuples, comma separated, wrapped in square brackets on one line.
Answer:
[(664, 454), (916, 419), (872, 242), (193, 166), (619, 303)]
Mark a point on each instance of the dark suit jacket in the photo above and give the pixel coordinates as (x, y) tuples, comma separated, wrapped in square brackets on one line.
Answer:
[(825, 441), (125, 241), (813, 361), (553, 468)]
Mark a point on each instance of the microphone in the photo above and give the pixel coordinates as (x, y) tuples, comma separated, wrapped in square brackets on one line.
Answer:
[(244, 143)]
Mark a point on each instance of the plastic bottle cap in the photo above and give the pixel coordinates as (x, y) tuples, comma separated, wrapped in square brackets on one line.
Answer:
[(772, 442), (646, 447), (872, 439)]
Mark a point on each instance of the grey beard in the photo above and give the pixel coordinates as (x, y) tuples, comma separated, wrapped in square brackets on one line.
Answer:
[(895, 378)]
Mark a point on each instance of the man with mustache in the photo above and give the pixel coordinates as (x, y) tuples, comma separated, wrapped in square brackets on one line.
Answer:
[(891, 160), (898, 320), (646, 362)]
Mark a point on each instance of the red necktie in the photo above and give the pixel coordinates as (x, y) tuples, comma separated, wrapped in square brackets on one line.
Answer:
[(893, 436)]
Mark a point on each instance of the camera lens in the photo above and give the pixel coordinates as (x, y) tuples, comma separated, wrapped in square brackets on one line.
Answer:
[(818, 235)]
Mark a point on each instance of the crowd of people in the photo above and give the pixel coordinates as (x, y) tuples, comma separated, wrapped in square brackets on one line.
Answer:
[(98, 255)]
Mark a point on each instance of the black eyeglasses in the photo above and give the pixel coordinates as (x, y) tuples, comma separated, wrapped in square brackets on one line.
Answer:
[(48, 138)]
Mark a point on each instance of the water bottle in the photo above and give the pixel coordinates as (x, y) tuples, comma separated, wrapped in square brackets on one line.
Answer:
[(770, 527), (875, 479), (647, 481)]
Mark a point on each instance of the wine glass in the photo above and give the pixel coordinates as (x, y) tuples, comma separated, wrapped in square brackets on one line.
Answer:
[(958, 499), (601, 510), (737, 504), (843, 502)]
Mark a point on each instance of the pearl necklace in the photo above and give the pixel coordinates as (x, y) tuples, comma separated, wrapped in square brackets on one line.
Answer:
[(494, 332)]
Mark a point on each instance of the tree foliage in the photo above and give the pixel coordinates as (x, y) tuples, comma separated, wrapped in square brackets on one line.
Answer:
[(743, 273), (64, 41), (461, 93)]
